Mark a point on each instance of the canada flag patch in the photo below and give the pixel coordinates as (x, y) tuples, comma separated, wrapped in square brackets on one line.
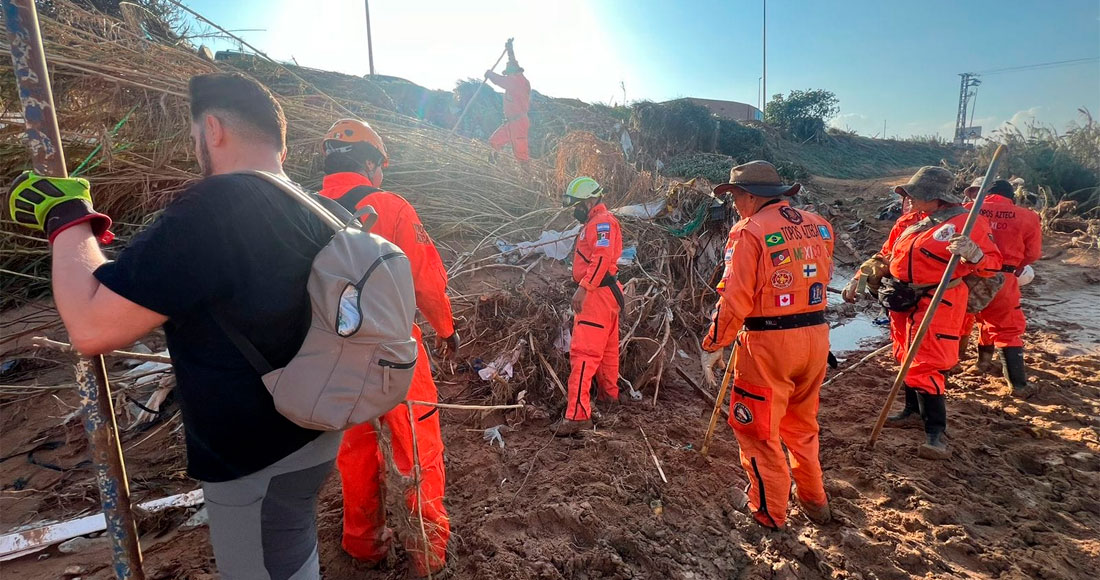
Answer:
[(784, 300)]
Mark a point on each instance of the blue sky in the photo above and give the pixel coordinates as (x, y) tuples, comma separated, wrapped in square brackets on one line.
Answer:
[(886, 60)]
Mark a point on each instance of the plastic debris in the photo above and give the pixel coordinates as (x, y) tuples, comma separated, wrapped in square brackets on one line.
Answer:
[(502, 367), (643, 211), (551, 243), (628, 257), (492, 435)]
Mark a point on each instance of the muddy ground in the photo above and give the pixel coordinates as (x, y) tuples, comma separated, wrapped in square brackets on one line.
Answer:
[(1019, 499)]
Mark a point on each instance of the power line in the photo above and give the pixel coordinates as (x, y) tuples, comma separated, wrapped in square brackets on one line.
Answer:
[(1041, 65)]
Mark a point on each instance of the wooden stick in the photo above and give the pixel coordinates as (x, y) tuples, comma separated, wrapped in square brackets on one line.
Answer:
[(478, 91), (874, 353), (926, 322), (654, 456), (721, 397), (698, 389), (44, 342), (549, 369), (465, 407), (416, 483)]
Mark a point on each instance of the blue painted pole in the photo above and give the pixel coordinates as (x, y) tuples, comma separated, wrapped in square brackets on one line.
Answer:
[(48, 158)]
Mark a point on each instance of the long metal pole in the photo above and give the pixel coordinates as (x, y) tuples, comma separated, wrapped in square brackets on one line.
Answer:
[(370, 47), (726, 378), (764, 77), (48, 158), (936, 298)]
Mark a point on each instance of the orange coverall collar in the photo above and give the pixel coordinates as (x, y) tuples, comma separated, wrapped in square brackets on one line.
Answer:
[(337, 184)]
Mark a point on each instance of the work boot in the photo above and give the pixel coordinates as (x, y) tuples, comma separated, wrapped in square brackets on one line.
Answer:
[(567, 427), (910, 416), (935, 423), (985, 363), (1015, 371), (818, 514)]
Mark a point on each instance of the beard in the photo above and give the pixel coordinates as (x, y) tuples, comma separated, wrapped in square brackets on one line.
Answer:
[(206, 166)]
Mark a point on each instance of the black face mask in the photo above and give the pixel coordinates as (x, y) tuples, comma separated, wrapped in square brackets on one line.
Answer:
[(580, 213)]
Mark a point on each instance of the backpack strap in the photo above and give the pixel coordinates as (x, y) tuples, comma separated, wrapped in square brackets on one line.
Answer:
[(309, 202), (355, 195), (245, 346)]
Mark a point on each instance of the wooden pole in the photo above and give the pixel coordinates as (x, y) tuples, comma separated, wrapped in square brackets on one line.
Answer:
[(936, 298), (478, 91), (721, 397), (48, 158)]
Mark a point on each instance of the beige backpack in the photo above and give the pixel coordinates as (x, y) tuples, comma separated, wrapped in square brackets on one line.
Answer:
[(357, 360)]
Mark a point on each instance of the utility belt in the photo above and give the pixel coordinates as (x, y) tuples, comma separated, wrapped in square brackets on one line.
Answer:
[(612, 282), (898, 296), (1009, 269), (785, 322)]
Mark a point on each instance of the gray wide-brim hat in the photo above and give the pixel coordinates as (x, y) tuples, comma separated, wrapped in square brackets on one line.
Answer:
[(758, 178), (930, 182)]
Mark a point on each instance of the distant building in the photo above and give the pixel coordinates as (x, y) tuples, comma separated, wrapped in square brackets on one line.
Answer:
[(731, 110)]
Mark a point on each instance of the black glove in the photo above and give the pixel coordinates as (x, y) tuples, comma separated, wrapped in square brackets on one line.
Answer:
[(448, 347)]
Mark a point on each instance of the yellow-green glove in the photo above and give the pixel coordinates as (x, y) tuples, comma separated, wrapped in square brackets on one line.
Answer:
[(53, 204)]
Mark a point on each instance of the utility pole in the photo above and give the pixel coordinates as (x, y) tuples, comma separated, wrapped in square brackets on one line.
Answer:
[(370, 49), (764, 76), (965, 94), (759, 94)]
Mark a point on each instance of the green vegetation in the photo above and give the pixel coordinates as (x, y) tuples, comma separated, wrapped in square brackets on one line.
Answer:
[(1068, 164), (853, 157), (803, 114)]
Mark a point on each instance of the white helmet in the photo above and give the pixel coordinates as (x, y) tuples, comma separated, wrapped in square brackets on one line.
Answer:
[(1026, 275)]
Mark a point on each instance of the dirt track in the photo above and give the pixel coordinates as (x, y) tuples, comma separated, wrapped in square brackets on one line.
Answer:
[(1020, 499)]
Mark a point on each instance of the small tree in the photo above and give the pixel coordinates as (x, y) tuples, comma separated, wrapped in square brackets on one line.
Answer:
[(803, 113)]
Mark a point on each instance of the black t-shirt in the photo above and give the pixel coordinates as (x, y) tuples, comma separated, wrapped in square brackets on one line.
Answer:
[(238, 246)]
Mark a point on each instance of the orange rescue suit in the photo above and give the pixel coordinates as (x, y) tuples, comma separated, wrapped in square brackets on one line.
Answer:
[(594, 350), (778, 264), (1018, 235), (920, 258), (360, 461), (517, 103)]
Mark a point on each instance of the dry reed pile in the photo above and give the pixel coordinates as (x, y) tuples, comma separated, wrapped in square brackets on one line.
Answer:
[(122, 105)]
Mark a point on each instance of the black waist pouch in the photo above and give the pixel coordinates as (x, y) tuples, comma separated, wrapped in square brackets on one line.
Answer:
[(898, 296)]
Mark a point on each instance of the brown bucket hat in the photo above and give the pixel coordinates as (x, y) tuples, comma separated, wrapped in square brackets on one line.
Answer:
[(930, 182), (758, 178)]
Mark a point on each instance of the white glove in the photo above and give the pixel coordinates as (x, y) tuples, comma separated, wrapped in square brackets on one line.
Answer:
[(965, 248), (709, 360)]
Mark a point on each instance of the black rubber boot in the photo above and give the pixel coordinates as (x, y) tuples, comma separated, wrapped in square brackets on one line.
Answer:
[(985, 359), (1015, 371), (911, 415), (935, 423)]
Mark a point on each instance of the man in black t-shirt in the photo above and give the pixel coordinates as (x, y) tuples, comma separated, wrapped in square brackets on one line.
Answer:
[(231, 247)]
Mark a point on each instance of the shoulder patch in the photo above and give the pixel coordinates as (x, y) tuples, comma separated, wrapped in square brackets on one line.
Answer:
[(421, 234), (944, 233), (790, 214), (824, 231), (604, 227)]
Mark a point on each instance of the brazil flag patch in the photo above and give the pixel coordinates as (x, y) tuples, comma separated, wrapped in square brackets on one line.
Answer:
[(775, 239)]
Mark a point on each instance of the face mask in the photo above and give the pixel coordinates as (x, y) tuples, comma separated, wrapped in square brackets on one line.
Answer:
[(580, 213)]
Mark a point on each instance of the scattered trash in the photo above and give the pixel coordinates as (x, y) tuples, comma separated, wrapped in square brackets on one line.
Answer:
[(552, 243), (29, 540), (82, 544), (644, 211), (200, 519), (492, 435), (628, 257), (657, 507), (148, 372), (502, 367), (8, 366)]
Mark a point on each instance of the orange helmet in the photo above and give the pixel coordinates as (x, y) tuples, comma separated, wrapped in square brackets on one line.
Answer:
[(356, 131)]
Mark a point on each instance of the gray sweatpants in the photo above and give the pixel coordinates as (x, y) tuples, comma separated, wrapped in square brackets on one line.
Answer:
[(264, 525)]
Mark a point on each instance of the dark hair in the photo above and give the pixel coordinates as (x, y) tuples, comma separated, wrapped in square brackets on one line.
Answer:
[(352, 160), (1002, 187), (243, 99)]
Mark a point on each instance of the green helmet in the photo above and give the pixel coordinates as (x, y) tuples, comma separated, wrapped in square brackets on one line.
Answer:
[(581, 188)]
